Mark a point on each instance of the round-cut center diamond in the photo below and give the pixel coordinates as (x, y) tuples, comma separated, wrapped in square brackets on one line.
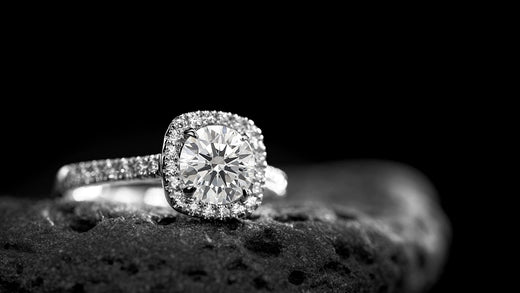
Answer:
[(218, 163)]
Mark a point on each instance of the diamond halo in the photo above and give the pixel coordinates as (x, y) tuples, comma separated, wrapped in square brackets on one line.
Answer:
[(244, 168)]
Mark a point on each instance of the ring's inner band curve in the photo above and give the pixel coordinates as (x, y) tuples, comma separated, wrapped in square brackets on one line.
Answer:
[(135, 180)]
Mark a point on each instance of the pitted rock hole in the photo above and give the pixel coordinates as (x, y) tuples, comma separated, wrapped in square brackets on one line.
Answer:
[(363, 255), (232, 224), (166, 221), (237, 265), (291, 217), (196, 274), (261, 283), (336, 267), (264, 243), (82, 225), (18, 246), (296, 277), (342, 248)]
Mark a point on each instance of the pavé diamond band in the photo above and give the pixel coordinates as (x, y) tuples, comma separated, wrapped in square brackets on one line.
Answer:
[(212, 165)]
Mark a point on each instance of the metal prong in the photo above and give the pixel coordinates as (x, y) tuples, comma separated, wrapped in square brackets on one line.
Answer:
[(190, 133)]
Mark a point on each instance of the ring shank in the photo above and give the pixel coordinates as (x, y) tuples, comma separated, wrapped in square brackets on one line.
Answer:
[(132, 180)]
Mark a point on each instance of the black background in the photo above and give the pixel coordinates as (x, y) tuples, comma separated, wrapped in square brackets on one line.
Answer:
[(81, 101)]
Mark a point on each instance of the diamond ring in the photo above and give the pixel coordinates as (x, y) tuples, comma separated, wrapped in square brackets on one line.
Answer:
[(213, 165)]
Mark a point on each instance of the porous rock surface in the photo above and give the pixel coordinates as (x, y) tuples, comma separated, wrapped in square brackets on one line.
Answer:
[(344, 227)]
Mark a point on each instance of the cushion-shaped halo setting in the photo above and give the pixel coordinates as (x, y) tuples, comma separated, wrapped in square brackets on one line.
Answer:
[(213, 165)]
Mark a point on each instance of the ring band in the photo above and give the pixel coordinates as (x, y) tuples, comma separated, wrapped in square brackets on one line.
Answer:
[(74, 180), (212, 166)]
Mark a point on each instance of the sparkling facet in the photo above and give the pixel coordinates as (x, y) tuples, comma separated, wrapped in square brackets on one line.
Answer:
[(219, 163)]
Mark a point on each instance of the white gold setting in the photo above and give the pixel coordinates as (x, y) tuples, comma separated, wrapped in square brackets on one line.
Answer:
[(213, 166)]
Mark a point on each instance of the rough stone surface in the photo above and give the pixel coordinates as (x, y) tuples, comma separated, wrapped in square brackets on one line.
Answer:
[(345, 227)]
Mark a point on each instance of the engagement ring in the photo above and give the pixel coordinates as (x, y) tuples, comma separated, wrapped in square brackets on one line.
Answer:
[(213, 165)]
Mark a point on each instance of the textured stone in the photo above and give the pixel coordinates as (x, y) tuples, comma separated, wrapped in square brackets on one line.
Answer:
[(345, 227)]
